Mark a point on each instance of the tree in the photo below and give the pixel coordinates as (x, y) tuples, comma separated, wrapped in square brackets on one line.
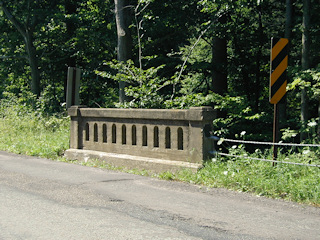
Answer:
[(124, 49), (305, 62), (71, 10), (219, 60), (287, 34), (219, 17), (289, 14), (26, 29)]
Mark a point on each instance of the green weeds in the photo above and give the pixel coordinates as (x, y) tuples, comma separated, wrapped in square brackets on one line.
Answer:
[(290, 182), (26, 131)]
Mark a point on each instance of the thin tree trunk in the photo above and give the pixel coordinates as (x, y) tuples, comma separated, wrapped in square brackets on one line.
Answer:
[(259, 58), (33, 61), (289, 12), (71, 8), (124, 48), (319, 119), (305, 63), (219, 62), (288, 29), (26, 31)]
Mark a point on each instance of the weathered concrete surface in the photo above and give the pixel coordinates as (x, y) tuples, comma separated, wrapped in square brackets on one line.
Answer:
[(42, 199), (161, 134), (127, 161)]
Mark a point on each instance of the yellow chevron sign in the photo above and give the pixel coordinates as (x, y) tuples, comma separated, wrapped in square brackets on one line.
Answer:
[(278, 73)]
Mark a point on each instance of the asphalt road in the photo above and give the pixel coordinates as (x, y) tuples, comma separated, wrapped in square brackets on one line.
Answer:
[(43, 199)]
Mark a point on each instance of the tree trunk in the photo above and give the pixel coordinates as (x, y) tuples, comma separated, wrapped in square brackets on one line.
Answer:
[(26, 31), (318, 132), (71, 8), (258, 60), (288, 29), (289, 12), (219, 61), (124, 49), (33, 61), (219, 64), (305, 64)]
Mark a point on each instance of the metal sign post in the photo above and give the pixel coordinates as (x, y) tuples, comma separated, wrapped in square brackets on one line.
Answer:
[(275, 132), (278, 82)]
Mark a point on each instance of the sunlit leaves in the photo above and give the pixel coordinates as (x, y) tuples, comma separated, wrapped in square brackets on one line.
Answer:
[(144, 86)]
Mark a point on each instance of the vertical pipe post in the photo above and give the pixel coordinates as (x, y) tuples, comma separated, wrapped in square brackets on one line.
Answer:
[(275, 133)]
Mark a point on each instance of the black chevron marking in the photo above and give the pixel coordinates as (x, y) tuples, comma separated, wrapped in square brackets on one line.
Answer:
[(283, 53), (275, 87)]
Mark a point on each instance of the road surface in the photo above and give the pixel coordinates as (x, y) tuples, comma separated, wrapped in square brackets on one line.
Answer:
[(44, 199)]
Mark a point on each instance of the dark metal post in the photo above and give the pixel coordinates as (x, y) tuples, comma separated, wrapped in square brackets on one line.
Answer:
[(275, 132)]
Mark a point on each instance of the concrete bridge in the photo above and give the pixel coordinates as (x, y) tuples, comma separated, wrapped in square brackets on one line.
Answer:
[(153, 139)]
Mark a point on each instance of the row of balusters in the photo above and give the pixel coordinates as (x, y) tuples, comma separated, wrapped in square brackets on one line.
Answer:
[(156, 140)]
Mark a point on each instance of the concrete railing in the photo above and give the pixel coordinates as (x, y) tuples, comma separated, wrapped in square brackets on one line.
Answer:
[(157, 136)]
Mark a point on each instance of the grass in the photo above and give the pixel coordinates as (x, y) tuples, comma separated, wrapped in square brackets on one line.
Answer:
[(27, 132), (295, 183)]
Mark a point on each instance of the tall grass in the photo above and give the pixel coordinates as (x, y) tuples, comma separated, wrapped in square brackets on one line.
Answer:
[(290, 182), (26, 130)]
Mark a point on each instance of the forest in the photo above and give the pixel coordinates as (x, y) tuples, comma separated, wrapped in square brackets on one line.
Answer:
[(167, 54)]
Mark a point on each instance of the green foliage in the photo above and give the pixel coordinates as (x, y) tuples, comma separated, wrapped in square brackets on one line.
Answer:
[(27, 130), (309, 80), (143, 86), (82, 38), (83, 34), (239, 117)]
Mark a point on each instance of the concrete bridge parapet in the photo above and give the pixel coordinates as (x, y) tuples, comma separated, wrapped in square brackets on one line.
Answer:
[(153, 139)]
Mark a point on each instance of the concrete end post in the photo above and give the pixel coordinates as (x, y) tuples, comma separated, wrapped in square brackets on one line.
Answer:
[(200, 124), (75, 127)]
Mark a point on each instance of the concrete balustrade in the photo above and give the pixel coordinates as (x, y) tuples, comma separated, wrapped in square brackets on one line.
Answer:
[(154, 139)]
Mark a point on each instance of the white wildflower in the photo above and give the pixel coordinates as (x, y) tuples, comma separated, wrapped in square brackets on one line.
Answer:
[(220, 141), (312, 124), (306, 152)]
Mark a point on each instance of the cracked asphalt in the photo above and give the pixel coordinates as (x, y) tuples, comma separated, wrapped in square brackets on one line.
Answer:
[(44, 199)]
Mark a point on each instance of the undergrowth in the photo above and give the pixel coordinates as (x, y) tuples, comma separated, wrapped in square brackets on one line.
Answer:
[(291, 182), (26, 130)]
